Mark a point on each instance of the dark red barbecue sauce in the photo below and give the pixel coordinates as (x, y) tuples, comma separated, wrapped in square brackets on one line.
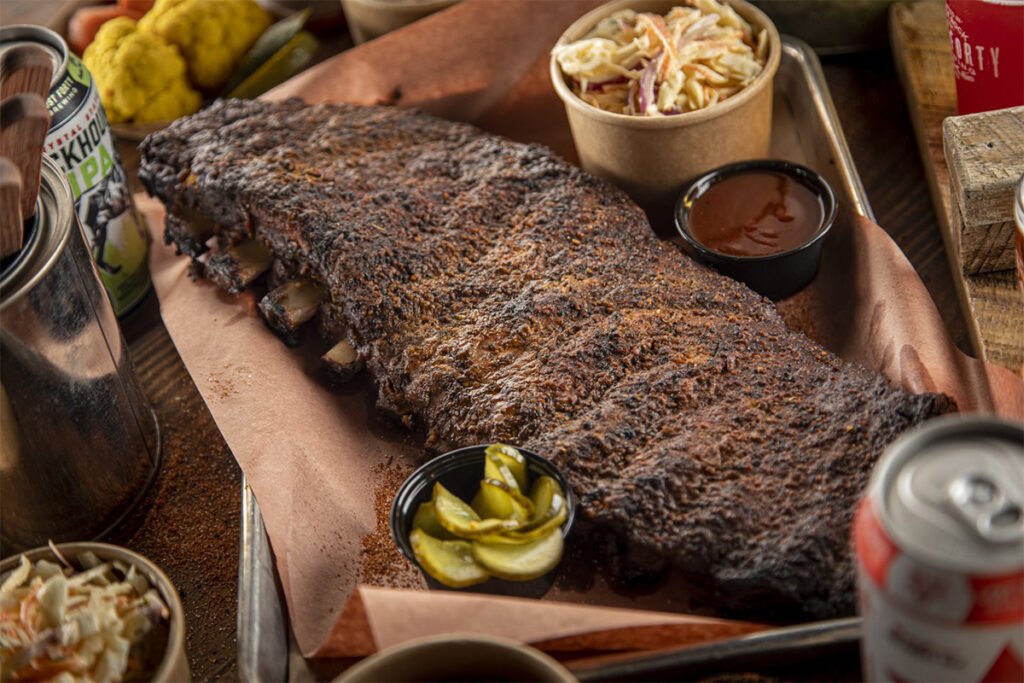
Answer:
[(756, 214)]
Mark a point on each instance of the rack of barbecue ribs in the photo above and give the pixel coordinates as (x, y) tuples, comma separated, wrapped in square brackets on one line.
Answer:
[(496, 292)]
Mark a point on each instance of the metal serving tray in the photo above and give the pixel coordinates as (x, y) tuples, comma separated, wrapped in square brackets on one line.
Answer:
[(823, 651), (805, 130), (262, 619)]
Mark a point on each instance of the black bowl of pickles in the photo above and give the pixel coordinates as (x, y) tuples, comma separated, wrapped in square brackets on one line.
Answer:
[(489, 518)]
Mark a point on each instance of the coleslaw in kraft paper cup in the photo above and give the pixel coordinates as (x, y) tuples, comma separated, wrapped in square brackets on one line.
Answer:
[(651, 158)]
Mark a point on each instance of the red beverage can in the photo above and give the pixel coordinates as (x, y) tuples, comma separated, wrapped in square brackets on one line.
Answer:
[(987, 37), (939, 540)]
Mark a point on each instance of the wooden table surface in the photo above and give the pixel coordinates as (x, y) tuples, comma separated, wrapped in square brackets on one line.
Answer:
[(190, 521)]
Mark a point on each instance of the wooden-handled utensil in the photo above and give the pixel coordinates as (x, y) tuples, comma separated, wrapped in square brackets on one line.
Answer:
[(25, 69), (11, 224), (24, 122)]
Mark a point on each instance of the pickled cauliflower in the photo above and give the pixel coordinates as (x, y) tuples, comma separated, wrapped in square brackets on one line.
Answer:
[(141, 77), (211, 34)]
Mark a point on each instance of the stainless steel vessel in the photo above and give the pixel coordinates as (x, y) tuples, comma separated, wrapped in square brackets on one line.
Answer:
[(78, 442)]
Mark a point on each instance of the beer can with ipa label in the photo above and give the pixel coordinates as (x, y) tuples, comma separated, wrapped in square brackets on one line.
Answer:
[(939, 539), (81, 142)]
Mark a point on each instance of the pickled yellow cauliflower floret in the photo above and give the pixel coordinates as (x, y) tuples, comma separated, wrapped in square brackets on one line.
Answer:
[(140, 76), (211, 34)]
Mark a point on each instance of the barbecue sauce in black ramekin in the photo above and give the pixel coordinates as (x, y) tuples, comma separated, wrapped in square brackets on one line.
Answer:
[(756, 213), (762, 221)]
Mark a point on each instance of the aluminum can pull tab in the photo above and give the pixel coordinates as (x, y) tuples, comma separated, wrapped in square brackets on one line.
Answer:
[(987, 507)]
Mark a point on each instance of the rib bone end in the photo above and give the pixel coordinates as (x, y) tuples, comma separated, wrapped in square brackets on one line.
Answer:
[(289, 306), (342, 361), (239, 265)]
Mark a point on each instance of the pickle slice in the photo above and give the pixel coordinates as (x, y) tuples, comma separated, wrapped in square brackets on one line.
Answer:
[(546, 496), (513, 460), (450, 562), (499, 500), (520, 562), (460, 519), (528, 533), (426, 520), (554, 521), (497, 470)]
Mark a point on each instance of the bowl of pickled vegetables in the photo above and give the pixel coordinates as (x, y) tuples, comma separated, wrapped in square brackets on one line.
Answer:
[(490, 518), (89, 611)]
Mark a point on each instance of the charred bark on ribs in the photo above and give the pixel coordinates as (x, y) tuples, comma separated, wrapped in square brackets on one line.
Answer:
[(496, 292)]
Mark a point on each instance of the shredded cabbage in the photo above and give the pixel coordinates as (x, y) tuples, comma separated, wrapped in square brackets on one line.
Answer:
[(645, 64), (61, 626)]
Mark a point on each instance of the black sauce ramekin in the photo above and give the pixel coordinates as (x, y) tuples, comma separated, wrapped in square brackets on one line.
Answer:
[(776, 276), (460, 471)]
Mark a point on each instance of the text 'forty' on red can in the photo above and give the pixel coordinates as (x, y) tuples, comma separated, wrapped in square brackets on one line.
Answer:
[(987, 40), (939, 539)]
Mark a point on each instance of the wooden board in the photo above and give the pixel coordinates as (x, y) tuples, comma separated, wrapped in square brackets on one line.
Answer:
[(986, 160), (985, 156), (991, 302)]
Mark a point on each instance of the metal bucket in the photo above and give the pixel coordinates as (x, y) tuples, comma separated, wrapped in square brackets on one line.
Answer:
[(78, 442)]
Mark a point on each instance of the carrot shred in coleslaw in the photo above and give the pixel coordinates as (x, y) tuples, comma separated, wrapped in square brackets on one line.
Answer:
[(645, 64)]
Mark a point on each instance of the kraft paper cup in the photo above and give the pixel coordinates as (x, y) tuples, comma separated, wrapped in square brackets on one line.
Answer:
[(172, 665), (652, 158), (369, 19), (458, 657)]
